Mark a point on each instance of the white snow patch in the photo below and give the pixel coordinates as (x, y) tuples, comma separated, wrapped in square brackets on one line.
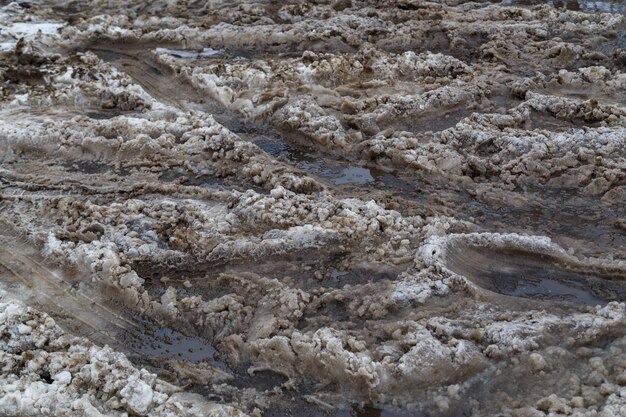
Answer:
[(30, 29), (138, 395), (63, 378), (52, 246), (7, 46)]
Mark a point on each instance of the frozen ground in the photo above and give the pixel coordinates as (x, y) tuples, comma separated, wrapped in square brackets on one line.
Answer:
[(342, 208)]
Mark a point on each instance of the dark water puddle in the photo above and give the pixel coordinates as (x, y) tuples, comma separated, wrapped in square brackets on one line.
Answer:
[(261, 380), (337, 172), (166, 342), (152, 344), (518, 273), (536, 282), (373, 411), (300, 408), (557, 213), (104, 114), (354, 175), (335, 273), (274, 147), (328, 167)]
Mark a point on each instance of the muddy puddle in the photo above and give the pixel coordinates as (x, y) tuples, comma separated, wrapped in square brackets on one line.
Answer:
[(337, 172), (168, 343), (562, 214), (355, 411), (533, 275)]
